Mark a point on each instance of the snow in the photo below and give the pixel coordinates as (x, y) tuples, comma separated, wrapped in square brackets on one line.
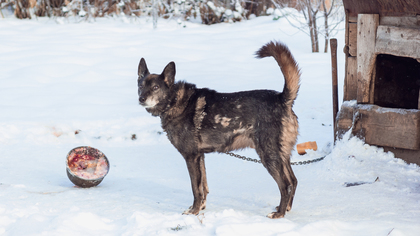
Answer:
[(57, 79), (378, 109)]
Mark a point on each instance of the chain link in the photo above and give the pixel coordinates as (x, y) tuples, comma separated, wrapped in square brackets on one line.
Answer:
[(243, 157), (259, 161)]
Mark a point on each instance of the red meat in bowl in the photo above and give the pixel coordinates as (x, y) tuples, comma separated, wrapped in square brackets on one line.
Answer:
[(86, 166)]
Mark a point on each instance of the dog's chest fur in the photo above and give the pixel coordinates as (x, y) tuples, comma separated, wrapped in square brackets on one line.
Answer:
[(203, 121)]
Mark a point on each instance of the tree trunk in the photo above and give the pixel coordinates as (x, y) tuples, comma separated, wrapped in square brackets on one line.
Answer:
[(310, 26), (313, 32), (327, 35), (155, 13), (326, 26)]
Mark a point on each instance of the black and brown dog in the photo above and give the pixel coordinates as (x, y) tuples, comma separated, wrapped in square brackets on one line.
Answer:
[(201, 120)]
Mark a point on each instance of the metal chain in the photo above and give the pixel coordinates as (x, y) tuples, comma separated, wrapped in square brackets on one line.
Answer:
[(259, 161), (308, 161), (243, 157)]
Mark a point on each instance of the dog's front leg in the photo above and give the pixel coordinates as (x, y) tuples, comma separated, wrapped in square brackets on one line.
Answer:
[(197, 183), (204, 181)]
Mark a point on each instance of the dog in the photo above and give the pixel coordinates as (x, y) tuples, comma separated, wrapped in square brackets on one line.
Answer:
[(201, 120)]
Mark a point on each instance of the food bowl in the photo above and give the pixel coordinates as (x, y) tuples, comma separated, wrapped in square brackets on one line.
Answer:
[(86, 166)]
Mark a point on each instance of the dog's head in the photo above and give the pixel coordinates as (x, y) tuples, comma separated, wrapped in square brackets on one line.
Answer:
[(153, 89)]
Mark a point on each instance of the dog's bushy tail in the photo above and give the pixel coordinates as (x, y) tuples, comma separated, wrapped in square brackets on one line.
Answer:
[(288, 66)]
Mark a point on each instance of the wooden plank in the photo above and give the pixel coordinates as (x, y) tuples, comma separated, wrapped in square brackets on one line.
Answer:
[(350, 92), (402, 21), (418, 101), (352, 19), (390, 127), (409, 156), (346, 38), (382, 7), (385, 127), (349, 118), (352, 39), (366, 37), (344, 120), (398, 41)]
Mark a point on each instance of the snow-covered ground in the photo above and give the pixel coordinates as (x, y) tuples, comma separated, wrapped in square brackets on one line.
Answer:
[(56, 79)]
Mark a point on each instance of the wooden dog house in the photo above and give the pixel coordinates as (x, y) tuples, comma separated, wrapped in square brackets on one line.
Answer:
[(382, 81)]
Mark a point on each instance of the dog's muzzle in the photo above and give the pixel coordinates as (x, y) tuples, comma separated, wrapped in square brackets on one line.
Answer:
[(147, 103), (142, 100)]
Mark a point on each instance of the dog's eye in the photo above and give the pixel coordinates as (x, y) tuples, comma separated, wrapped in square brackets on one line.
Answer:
[(156, 87)]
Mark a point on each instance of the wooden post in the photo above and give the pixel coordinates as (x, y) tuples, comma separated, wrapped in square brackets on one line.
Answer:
[(418, 103), (367, 25), (333, 45)]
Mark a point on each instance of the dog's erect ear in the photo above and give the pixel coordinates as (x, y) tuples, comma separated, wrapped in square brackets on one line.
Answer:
[(169, 74), (143, 71)]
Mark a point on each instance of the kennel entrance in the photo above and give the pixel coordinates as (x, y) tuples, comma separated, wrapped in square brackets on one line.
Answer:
[(382, 81), (396, 82)]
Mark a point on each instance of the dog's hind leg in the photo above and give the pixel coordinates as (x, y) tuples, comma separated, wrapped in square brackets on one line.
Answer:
[(277, 167), (287, 189), (292, 187), (285, 192), (294, 182), (198, 182)]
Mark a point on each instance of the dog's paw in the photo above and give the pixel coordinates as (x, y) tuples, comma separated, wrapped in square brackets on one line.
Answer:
[(203, 205), (289, 208), (191, 211), (275, 215)]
